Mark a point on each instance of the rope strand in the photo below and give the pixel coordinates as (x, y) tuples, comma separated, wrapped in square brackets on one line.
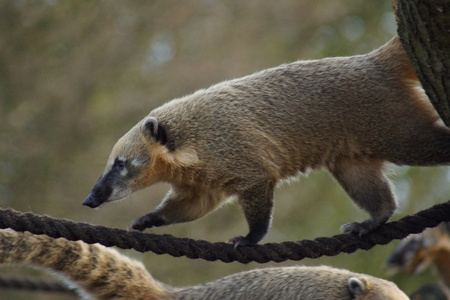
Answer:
[(194, 249)]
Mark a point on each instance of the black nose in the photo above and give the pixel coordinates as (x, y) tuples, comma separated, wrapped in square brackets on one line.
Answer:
[(90, 201)]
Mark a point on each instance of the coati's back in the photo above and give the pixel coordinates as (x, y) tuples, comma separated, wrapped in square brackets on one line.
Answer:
[(302, 115), (96, 271)]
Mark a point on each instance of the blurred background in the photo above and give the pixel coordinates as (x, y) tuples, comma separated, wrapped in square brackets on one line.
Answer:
[(76, 75)]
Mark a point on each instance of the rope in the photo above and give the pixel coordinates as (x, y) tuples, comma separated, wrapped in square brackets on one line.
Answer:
[(33, 284), (167, 244)]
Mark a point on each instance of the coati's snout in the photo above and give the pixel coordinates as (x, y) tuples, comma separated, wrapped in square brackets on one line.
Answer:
[(99, 194), (91, 201), (113, 185)]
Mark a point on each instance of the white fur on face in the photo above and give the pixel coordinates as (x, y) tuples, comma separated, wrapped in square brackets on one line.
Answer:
[(137, 162), (119, 194)]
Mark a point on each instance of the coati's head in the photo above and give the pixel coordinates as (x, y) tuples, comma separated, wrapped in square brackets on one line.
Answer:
[(130, 164), (361, 288)]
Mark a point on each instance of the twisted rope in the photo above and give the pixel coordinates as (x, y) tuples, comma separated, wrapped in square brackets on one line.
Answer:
[(33, 284), (277, 252)]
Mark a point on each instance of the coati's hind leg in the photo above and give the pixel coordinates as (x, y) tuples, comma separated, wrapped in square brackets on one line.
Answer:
[(367, 185), (178, 206), (257, 204)]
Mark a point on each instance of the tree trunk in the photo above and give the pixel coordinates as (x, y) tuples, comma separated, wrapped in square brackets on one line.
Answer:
[(424, 29)]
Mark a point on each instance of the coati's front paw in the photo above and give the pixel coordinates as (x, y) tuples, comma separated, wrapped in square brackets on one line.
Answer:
[(361, 229), (147, 221)]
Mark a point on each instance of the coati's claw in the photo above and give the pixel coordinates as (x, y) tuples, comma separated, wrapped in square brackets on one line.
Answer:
[(130, 227), (136, 225), (353, 228), (360, 229), (240, 241)]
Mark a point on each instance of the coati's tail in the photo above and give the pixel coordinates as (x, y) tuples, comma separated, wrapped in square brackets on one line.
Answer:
[(97, 271), (394, 59)]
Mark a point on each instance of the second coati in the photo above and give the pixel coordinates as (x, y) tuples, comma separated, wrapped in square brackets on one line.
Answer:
[(102, 273), (241, 138)]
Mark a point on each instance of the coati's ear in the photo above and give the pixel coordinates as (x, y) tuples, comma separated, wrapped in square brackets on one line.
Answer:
[(152, 129), (357, 288)]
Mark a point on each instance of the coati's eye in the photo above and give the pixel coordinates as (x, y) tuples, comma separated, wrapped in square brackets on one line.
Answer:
[(120, 163)]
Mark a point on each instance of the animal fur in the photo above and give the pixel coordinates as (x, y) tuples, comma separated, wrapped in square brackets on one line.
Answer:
[(418, 251), (102, 273), (241, 138)]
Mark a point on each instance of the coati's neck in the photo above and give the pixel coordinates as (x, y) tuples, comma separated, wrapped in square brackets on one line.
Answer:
[(181, 165)]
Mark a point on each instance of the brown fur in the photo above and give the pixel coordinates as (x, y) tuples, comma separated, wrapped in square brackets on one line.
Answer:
[(241, 138), (418, 251), (102, 273)]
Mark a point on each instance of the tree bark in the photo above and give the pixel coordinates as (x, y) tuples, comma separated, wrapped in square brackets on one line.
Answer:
[(424, 29)]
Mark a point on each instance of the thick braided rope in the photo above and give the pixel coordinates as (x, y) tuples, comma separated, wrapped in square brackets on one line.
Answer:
[(34, 284), (167, 244)]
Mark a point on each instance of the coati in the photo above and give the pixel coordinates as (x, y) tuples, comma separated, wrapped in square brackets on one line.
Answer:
[(241, 138), (418, 251), (103, 273)]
